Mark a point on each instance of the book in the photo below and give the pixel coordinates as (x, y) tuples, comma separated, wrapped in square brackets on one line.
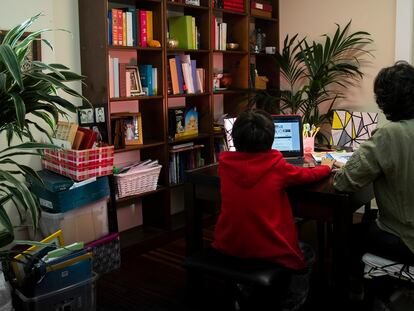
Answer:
[(176, 122), (179, 74), (149, 26), (174, 76), (184, 145), (66, 131), (116, 76), (89, 138), (114, 31), (110, 27), (154, 81), (145, 72), (142, 27), (78, 140), (191, 122), (180, 28), (122, 80)]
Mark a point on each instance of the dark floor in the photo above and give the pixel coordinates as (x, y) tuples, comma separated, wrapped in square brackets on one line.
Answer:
[(156, 281)]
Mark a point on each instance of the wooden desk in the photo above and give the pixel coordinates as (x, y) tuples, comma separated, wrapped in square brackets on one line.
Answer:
[(318, 201)]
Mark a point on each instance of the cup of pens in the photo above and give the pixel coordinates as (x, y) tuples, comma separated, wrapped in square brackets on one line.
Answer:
[(309, 133)]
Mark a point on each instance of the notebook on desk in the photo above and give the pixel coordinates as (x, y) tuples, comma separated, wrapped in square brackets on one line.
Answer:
[(288, 138)]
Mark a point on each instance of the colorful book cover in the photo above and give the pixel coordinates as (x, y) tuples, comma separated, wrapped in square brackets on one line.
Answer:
[(191, 121), (194, 76), (133, 26), (120, 27), (124, 29), (110, 27), (154, 81), (180, 28), (174, 76), (143, 27), (114, 14), (145, 72), (129, 39), (179, 74), (116, 76), (149, 26)]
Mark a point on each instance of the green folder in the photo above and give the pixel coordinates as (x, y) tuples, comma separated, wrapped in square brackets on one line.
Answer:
[(180, 28)]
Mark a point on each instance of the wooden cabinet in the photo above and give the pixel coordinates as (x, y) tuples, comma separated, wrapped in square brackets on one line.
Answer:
[(98, 51)]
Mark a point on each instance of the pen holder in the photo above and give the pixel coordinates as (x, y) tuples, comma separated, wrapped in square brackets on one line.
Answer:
[(309, 144)]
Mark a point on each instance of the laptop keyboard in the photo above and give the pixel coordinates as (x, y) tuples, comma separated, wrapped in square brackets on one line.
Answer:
[(295, 160)]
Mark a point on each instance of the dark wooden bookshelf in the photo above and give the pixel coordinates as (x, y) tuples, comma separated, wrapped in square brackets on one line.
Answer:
[(158, 225)]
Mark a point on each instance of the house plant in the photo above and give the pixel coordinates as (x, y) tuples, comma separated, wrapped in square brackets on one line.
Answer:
[(314, 75), (29, 103)]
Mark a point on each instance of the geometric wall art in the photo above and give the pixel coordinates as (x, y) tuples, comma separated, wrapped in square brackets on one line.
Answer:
[(350, 129)]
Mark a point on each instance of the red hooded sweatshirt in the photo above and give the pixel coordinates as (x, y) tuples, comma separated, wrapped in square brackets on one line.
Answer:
[(256, 219)]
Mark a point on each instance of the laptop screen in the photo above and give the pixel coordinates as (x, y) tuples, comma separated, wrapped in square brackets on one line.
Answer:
[(288, 135)]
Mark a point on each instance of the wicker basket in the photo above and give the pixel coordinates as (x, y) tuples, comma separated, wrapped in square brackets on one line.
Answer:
[(133, 183)]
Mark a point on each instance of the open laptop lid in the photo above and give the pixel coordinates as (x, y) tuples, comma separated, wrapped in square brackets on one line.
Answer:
[(288, 135)]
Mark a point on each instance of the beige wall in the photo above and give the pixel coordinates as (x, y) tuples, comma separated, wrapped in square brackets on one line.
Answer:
[(313, 18)]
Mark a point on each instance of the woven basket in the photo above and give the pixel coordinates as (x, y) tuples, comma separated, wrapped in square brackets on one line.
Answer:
[(133, 183)]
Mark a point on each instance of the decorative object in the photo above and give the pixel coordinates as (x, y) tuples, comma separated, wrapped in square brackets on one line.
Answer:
[(270, 50), (129, 124), (172, 43), (30, 98), (232, 46), (193, 2), (134, 81), (349, 129), (316, 73), (154, 43), (261, 82), (226, 80)]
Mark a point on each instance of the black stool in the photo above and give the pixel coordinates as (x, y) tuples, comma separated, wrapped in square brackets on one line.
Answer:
[(269, 281)]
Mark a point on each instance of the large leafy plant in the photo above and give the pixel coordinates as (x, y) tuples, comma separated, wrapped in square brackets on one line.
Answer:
[(29, 102), (316, 74)]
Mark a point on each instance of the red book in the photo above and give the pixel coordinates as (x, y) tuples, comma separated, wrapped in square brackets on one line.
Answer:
[(122, 80), (120, 27), (88, 139), (143, 27), (114, 27)]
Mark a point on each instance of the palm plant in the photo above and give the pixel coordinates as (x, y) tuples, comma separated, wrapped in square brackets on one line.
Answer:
[(316, 73), (29, 102)]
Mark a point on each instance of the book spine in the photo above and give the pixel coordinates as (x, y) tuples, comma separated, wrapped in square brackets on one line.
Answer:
[(154, 81), (114, 13), (116, 76), (174, 77), (143, 25), (128, 83), (122, 80), (179, 74), (111, 77), (129, 39), (148, 69), (134, 26), (149, 26), (124, 29), (120, 27), (110, 27), (194, 76)]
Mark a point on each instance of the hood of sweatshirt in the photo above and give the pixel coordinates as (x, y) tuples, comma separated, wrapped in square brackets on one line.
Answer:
[(246, 169)]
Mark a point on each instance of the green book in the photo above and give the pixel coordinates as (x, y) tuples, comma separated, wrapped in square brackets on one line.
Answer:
[(181, 28)]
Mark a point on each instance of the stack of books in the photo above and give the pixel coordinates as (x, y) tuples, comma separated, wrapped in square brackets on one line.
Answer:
[(130, 27), (219, 34), (184, 29), (185, 77)]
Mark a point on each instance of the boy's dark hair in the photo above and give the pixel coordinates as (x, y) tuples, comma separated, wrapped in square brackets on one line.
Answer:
[(253, 131), (394, 91)]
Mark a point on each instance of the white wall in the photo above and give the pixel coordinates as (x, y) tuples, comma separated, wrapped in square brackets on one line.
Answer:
[(404, 30), (58, 14), (312, 18)]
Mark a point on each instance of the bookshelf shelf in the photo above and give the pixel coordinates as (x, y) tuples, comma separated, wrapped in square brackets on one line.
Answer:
[(120, 99), (98, 53), (188, 95), (195, 7)]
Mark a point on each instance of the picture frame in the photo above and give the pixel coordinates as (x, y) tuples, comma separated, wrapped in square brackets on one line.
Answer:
[(134, 81), (86, 116), (35, 52), (127, 129)]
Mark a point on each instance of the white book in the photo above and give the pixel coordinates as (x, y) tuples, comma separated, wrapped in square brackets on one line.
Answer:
[(111, 77), (186, 59), (128, 83), (130, 41), (224, 37), (199, 80), (187, 77), (116, 76)]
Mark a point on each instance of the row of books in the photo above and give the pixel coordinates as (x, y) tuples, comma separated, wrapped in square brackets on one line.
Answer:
[(127, 80), (129, 27), (184, 29), (185, 77), (219, 34), (182, 159)]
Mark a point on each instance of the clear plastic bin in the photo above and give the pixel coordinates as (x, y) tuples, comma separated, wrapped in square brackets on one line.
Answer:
[(85, 224), (77, 297)]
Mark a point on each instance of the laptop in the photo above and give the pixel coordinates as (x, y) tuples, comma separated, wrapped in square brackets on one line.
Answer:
[(289, 139)]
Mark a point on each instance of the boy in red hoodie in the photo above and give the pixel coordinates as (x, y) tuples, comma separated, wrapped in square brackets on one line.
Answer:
[(256, 219)]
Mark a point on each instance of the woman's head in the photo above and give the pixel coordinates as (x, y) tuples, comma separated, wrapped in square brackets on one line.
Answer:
[(394, 91), (253, 131)]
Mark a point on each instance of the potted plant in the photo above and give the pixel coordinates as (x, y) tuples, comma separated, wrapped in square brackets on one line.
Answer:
[(29, 103), (316, 74)]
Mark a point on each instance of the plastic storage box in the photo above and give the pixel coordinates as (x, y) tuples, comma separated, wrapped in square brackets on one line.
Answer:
[(77, 297), (85, 224), (54, 196)]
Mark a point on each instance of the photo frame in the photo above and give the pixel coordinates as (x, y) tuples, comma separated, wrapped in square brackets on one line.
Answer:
[(100, 115), (35, 52), (134, 81), (127, 129), (86, 116)]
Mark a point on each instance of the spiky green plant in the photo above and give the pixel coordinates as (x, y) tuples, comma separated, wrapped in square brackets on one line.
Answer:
[(317, 73), (29, 102)]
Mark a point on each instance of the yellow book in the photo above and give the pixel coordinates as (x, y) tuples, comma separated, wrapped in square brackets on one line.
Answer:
[(124, 29), (193, 27), (149, 26)]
